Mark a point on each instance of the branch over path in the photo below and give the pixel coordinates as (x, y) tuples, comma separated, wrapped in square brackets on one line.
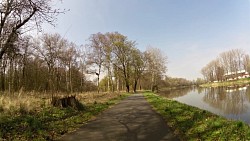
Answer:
[(131, 120)]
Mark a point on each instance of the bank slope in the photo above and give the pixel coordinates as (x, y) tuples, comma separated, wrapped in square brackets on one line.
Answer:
[(191, 123)]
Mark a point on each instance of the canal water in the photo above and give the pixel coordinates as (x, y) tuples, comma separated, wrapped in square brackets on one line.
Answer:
[(230, 102)]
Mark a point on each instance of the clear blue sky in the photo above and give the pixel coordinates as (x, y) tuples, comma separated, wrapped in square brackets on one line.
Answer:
[(190, 32)]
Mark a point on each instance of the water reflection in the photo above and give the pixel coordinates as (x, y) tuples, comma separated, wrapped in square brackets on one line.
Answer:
[(175, 93), (231, 102)]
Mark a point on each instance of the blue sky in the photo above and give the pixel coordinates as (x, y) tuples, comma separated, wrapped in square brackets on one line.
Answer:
[(189, 32)]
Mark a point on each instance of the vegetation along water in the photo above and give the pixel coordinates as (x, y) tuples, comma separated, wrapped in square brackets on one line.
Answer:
[(192, 123), (229, 102)]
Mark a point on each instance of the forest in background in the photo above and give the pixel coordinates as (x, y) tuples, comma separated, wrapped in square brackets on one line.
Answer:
[(51, 63), (228, 62)]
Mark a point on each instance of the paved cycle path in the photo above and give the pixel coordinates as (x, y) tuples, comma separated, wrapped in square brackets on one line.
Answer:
[(131, 120)]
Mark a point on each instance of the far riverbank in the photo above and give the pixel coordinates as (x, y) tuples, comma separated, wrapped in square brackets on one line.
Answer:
[(239, 82)]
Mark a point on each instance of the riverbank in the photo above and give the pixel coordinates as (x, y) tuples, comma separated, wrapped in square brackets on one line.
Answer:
[(191, 123), (239, 82), (49, 123)]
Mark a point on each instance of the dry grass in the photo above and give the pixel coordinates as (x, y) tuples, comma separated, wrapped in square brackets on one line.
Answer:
[(26, 102), (88, 98), (33, 101)]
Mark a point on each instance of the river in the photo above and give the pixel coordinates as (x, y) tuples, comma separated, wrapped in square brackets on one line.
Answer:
[(229, 102)]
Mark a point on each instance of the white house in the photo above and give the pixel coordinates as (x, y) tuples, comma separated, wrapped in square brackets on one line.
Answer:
[(236, 75)]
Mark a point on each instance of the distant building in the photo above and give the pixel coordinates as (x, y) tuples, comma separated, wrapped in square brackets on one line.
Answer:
[(236, 75)]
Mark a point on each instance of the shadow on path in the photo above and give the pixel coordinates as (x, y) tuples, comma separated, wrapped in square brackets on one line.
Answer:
[(131, 120)]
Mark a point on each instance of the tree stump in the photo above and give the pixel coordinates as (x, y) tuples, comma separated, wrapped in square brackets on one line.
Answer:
[(68, 101)]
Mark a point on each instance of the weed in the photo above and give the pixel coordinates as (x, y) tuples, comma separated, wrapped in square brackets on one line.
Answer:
[(240, 124)]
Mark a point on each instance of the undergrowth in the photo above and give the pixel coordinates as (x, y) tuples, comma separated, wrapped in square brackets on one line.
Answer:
[(49, 123)]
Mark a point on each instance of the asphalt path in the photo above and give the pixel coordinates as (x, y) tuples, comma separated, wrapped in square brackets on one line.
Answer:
[(131, 120)]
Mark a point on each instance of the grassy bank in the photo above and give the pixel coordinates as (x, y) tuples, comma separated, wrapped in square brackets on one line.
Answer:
[(227, 83), (191, 123), (35, 119)]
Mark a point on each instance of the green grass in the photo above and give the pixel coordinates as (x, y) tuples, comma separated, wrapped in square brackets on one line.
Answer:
[(49, 123), (192, 124), (243, 81)]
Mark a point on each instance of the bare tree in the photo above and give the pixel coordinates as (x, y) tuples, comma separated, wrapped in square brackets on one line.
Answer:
[(96, 55), (224, 59), (246, 63), (239, 54), (15, 15), (156, 65), (122, 50), (69, 58), (228, 63), (108, 60), (138, 65), (49, 50)]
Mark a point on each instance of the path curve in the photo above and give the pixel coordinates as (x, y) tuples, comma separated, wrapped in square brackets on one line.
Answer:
[(131, 120)]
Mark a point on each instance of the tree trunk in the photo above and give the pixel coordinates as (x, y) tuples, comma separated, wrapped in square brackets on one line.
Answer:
[(152, 82), (118, 84), (108, 84), (98, 83), (67, 81), (135, 85), (3, 67), (98, 78), (127, 86), (70, 79), (122, 85)]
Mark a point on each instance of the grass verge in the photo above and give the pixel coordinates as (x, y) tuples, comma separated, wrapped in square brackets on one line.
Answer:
[(50, 122), (191, 123)]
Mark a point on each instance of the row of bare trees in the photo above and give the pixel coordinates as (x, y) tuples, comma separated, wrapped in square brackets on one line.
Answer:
[(47, 63), (52, 63), (22, 60), (177, 82), (122, 64), (230, 61)]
